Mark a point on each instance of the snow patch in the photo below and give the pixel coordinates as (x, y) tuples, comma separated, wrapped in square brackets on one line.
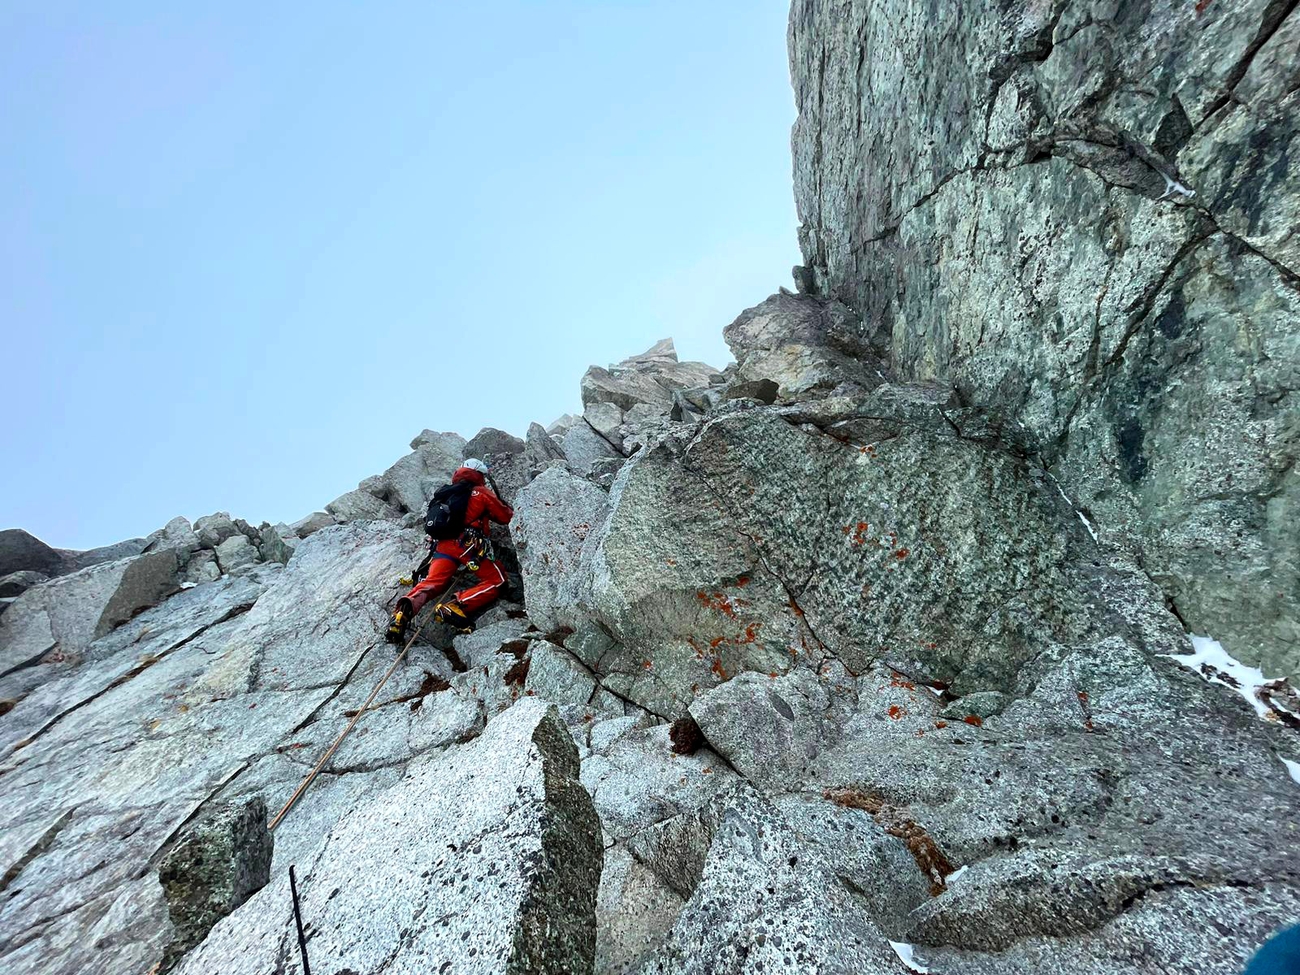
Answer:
[(908, 957), (1082, 517), (1172, 186), (1088, 525), (1211, 661), (1293, 768), (955, 874)]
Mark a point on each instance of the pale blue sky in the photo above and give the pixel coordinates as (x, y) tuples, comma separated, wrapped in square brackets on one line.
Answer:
[(249, 250)]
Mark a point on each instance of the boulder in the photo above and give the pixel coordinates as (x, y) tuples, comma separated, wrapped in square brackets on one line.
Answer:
[(922, 546), (442, 442), (507, 885), (647, 378), (61, 617), (409, 484), (235, 552), (360, 506), (765, 903), (806, 345), (622, 391), (177, 535), (541, 448), (554, 515), (217, 864), (775, 728), (312, 523), (680, 589), (584, 447), (277, 544), (214, 529), (201, 567), (105, 553), (491, 442), (558, 428), (21, 551)]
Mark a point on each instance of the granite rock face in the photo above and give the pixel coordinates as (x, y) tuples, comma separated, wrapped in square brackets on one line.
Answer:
[(507, 884), (554, 516), (1087, 227), (189, 703), (868, 653)]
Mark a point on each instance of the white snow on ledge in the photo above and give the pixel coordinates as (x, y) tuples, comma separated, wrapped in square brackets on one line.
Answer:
[(1211, 661), (908, 957), (1293, 768)]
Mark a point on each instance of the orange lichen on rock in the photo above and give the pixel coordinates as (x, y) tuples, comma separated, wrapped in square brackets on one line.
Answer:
[(973, 719), (925, 851), (896, 712), (718, 601)]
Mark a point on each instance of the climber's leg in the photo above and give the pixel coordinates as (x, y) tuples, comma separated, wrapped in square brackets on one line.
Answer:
[(442, 566), (491, 581)]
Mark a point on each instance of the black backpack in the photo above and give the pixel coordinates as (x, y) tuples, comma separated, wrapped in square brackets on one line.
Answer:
[(445, 518)]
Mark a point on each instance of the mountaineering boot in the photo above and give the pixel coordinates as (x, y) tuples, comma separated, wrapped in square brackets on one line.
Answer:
[(453, 614), (396, 631)]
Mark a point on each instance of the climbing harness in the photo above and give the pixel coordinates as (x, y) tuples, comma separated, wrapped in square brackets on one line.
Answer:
[(339, 740)]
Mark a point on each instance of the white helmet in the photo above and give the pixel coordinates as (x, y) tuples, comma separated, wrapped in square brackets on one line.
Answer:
[(474, 464)]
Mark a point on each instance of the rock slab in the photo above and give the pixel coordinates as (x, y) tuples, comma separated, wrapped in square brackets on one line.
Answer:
[(485, 859)]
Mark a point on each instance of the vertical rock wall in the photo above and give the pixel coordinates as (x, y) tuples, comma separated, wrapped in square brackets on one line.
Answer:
[(1084, 215)]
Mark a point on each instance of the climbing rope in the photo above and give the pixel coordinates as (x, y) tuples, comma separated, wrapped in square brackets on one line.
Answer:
[(339, 740)]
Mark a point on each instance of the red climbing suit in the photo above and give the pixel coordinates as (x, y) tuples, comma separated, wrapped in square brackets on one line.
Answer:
[(484, 506)]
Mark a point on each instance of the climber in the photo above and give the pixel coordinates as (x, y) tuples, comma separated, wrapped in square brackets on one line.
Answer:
[(458, 525)]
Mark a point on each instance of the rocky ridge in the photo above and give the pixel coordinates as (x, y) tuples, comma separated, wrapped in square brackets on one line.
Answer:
[(828, 661), (827, 666)]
